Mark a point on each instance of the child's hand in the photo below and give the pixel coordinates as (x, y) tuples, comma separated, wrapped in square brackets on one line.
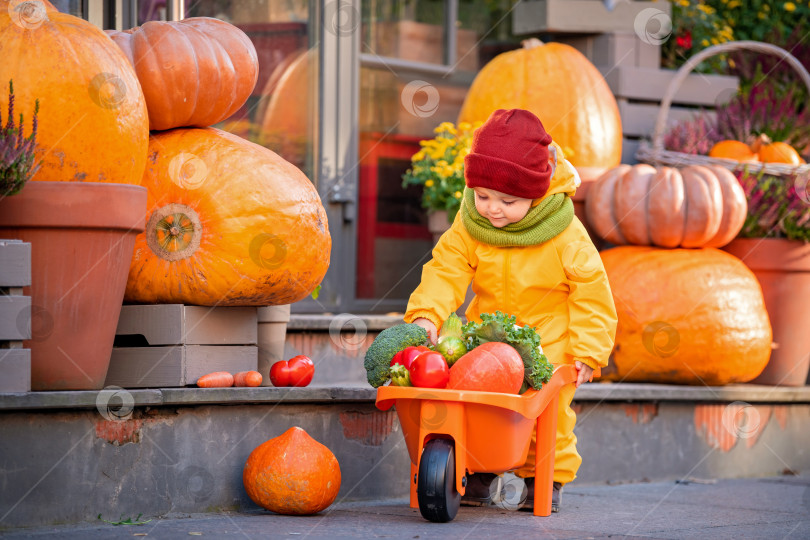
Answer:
[(429, 327), (584, 372)]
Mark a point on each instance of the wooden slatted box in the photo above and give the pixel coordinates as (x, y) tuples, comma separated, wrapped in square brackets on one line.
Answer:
[(15, 316), (172, 345)]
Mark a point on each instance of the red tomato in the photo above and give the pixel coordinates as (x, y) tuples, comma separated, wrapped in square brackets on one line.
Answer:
[(429, 370), (301, 370), (406, 355), (297, 371), (280, 374)]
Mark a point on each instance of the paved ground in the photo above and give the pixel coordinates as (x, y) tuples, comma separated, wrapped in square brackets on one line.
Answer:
[(765, 508)]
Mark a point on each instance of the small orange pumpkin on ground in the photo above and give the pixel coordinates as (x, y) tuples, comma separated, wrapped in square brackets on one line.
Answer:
[(686, 316), (292, 474)]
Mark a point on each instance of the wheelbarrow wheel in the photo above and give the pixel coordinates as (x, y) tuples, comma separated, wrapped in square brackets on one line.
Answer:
[(436, 489)]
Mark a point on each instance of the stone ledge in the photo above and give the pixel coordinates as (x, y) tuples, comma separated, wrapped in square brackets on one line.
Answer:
[(342, 321), (598, 392)]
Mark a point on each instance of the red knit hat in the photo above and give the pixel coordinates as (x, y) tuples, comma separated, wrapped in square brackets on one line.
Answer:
[(509, 154)]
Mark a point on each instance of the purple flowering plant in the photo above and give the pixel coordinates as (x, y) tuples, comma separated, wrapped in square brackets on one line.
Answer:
[(778, 205), (16, 150)]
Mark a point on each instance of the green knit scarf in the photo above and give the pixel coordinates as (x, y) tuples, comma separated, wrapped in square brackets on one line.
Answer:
[(542, 223)]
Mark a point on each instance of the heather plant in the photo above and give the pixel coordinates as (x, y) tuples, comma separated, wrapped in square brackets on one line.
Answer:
[(778, 206), (694, 136), (766, 110), (16, 150)]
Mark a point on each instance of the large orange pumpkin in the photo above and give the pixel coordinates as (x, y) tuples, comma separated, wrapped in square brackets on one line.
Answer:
[(686, 316), (292, 474), (93, 124), (194, 72), (229, 223), (695, 206), (563, 88)]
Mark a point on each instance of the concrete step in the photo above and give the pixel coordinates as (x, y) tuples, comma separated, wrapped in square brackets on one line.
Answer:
[(159, 451)]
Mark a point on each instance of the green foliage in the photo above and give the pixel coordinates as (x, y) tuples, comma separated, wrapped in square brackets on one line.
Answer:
[(439, 167), (127, 521), (537, 370), (389, 342), (16, 150)]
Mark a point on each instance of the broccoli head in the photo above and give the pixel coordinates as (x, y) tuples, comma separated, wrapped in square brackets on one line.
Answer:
[(389, 342)]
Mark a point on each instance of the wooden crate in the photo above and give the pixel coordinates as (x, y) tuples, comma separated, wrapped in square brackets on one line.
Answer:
[(171, 345), (639, 92), (580, 16), (15, 316)]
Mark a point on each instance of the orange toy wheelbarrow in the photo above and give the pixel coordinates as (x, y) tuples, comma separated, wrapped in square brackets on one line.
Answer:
[(450, 433)]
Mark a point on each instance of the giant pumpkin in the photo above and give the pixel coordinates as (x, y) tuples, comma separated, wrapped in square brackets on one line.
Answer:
[(194, 72), (563, 88), (686, 316), (93, 124), (697, 206), (229, 223)]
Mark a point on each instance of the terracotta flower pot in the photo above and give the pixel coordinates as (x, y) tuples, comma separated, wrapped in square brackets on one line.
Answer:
[(783, 270), (82, 236)]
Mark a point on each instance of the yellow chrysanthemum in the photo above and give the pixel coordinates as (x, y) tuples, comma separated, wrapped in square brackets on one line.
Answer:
[(789, 6), (429, 183), (457, 194)]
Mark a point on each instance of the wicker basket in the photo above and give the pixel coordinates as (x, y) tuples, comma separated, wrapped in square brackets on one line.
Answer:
[(655, 154)]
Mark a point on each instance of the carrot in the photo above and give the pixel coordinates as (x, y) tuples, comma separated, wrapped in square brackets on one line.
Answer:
[(217, 379), (247, 378)]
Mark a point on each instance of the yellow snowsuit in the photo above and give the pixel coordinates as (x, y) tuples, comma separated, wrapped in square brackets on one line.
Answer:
[(559, 287)]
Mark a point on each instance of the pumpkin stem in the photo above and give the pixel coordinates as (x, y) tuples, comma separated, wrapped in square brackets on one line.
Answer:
[(531, 43), (173, 232), (759, 142)]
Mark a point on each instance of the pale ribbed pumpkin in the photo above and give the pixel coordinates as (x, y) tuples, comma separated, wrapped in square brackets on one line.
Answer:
[(93, 124), (229, 223), (692, 316), (695, 206), (194, 72), (563, 88)]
